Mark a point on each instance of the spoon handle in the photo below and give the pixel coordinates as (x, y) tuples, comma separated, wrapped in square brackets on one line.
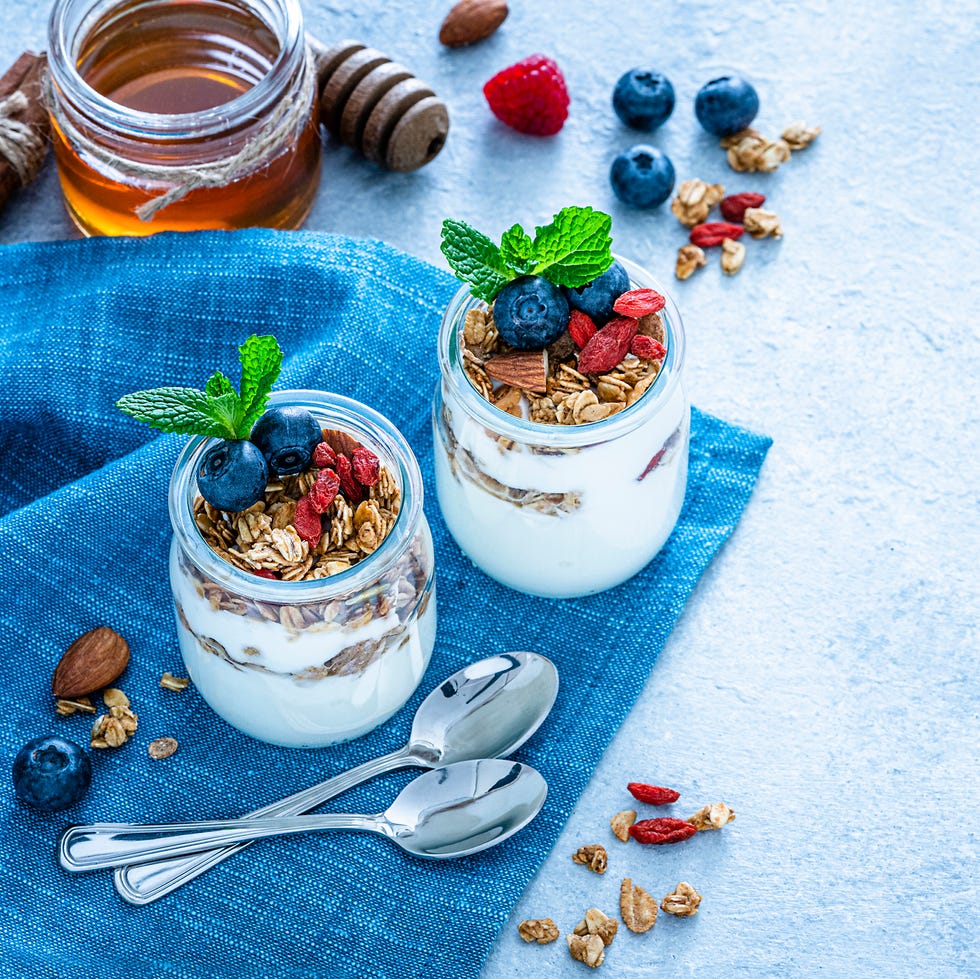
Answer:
[(103, 845), (145, 883)]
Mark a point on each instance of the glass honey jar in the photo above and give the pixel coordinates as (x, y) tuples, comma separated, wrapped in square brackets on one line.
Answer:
[(179, 115)]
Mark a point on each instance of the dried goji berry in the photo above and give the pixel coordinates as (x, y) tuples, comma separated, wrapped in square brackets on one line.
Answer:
[(306, 521), (348, 485), (324, 490), (366, 466), (324, 457), (265, 573), (656, 795), (662, 830), (714, 233), (646, 348), (733, 208), (581, 328), (639, 302), (609, 346)]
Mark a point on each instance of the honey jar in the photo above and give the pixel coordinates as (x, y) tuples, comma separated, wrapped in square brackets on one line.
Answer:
[(178, 115)]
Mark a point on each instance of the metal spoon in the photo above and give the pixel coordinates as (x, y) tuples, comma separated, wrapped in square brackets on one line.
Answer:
[(485, 710), (454, 811)]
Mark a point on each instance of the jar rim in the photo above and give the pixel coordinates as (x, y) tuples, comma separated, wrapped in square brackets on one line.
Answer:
[(68, 27), (345, 413), (526, 431)]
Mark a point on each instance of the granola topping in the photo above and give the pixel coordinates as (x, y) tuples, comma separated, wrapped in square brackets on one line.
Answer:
[(593, 857), (540, 930), (589, 949), (732, 256), (762, 224), (694, 200), (749, 151), (713, 816), (113, 729), (799, 135), (682, 901), (597, 922), (690, 258), (621, 823)]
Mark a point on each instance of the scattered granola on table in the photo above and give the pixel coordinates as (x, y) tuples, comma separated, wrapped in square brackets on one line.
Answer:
[(540, 930), (113, 697), (762, 224), (594, 857), (694, 200), (732, 256), (690, 258), (170, 682), (621, 823), (637, 908), (713, 816), (65, 708), (749, 151), (799, 135), (113, 729), (682, 902), (599, 923), (589, 949), (162, 748)]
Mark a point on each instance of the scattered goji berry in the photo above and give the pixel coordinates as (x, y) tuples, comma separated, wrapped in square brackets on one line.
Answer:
[(656, 795), (639, 302), (348, 485), (646, 348), (714, 233), (733, 208), (609, 346), (306, 521), (581, 328), (662, 830), (366, 466), (265, 573), (324, 456), (324, 490)]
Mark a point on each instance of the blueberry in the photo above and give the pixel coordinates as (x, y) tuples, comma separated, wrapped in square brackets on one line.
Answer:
[(597, 298), (530, 312), (287, 437), (232, 475), (643, 99), (51, 773), (726, 105), (642, 176)]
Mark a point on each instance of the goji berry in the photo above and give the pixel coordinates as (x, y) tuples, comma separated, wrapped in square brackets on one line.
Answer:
[(324, 457), (656, 795), (348, 485), (733, 208), (609, 346), (646, 348), (366, 466), (662, 830), (639, 302), (265, 573), (714, 233), (306, 522), (324, 490), (581, 328)]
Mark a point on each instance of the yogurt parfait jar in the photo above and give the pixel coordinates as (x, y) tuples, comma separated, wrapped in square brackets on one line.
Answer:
[(316, 661), (562, 510)]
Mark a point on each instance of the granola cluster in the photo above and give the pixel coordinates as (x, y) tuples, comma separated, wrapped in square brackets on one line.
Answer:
[(545, 386), (264, 540)]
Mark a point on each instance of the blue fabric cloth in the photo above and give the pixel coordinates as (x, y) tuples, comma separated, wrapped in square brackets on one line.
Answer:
[(83, 541)]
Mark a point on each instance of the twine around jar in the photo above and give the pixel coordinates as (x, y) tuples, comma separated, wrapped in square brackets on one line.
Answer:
[(20, 145), (266, 144)]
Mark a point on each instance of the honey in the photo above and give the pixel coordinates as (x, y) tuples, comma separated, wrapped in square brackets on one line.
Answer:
[(183, 114)]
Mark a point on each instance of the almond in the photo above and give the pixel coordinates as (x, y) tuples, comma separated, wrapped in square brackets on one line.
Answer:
[(471, 21), (92, 662), (527, 370), (342, 443)]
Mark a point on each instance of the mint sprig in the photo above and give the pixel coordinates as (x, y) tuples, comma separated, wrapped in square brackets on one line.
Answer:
[(219, 410), (571, 251)]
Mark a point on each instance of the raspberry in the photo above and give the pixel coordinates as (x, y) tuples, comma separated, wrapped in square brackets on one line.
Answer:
[(581, 328), (529, 96), (306, 522), (366, 466), (609, 346), (324, 457), (348, 484), (323, 491), (646, 348), (639, 302)]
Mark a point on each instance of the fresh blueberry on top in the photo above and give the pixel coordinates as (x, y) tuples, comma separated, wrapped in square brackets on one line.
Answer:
[(530, 312), (232, 475), (51, 773), (726, 105), (287, 437), (642, 176), (596, 299), (643, 98)]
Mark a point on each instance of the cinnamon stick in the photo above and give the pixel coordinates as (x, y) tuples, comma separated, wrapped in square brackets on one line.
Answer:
[(22, 151)]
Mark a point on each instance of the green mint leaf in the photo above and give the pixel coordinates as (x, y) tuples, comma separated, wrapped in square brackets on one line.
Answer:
[(261, 359), (228, 412), (517, 250), (185, 411), (475, 259), (574, 248), (218, 384)]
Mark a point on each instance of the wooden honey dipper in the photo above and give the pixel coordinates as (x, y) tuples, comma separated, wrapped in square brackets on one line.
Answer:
[(378, 107)]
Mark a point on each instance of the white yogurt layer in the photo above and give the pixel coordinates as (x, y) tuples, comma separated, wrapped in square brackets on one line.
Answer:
[(620, 522), (245, 668)]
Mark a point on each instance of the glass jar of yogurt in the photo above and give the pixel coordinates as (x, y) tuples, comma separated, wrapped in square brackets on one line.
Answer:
[(311, 662), (561, 510)]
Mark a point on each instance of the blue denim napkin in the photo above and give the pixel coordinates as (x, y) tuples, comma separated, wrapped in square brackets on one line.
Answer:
[(83, 542)]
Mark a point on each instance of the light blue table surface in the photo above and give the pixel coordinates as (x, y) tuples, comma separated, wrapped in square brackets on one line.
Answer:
[(823, 679)]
